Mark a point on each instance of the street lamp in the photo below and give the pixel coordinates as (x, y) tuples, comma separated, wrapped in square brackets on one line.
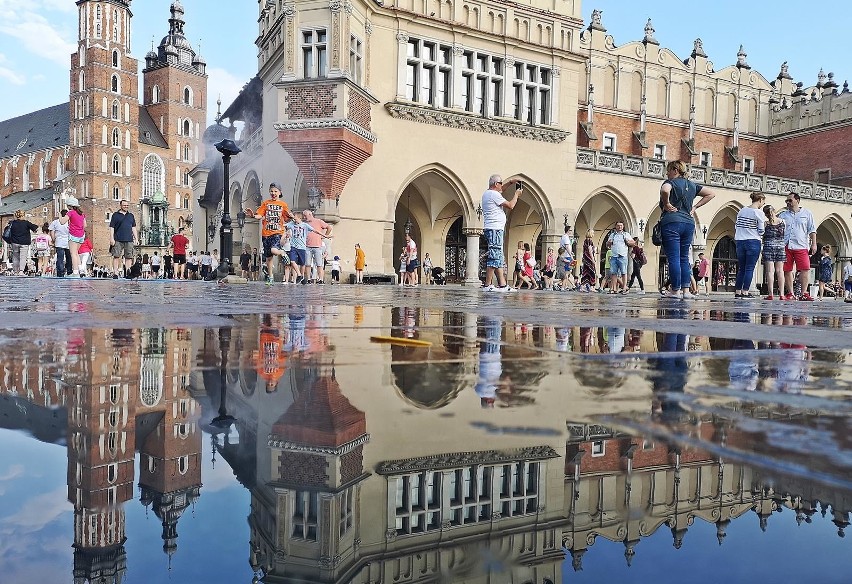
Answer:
[(241, 218), (641, 225), (226, 236)]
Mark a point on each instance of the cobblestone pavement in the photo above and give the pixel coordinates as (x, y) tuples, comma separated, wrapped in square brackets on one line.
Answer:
[(33, 302)]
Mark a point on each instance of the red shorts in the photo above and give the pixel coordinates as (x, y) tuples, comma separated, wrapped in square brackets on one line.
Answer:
[(801, 257)]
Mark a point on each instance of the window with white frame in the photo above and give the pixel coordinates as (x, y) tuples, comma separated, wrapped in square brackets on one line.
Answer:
[(116, 192), (304, 519), (314, 53), (153, 171), (482, 83), (356, 55), (705, 159), (609, 142), (116, 138), (598, 448), (346, 501), (532, 86), (462, 496), (115, 86), (660, 151), (428, 72), (116, 164), (748, 164)]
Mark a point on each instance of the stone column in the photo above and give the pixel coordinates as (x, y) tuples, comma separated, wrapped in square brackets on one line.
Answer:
[(472, 256), (549, 240)]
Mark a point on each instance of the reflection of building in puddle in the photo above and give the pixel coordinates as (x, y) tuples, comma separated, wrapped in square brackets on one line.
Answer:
[(123, 389), (624, 488)]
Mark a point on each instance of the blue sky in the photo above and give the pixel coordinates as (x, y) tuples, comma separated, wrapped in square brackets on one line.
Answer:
[(38, 36)]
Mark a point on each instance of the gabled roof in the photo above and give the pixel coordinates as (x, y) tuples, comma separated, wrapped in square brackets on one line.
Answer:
[(149, 133), (40, 130)]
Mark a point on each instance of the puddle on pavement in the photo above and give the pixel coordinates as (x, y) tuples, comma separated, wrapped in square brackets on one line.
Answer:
[(502, 450)]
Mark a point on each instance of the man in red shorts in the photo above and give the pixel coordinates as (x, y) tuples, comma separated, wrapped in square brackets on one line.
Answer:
[(800, 236), (179, 243)]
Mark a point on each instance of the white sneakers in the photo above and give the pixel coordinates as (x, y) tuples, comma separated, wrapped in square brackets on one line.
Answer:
[(506, 288)]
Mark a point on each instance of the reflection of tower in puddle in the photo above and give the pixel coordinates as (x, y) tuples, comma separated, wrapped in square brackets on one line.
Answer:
[(169, 437), (307, 526), (102, 385)]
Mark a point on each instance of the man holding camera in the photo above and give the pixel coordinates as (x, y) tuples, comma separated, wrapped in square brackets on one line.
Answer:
[(494, 222)]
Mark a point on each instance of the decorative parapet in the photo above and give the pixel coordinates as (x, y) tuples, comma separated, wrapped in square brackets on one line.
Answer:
[(325, 124), (459, 459), (589, 159), (466, 121)]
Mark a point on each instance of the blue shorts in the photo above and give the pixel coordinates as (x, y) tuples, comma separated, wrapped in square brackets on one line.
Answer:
[(494, 239), (412, 266), (270, 242), (618, 265), (299, 256)]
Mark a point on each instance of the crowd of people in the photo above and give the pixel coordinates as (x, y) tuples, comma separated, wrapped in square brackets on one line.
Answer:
[(785, 241)]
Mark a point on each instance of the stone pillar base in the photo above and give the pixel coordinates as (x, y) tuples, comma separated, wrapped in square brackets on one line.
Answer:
[(472, 257)]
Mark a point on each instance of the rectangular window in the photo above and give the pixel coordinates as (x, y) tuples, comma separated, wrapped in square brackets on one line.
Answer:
[(355, 59), (428, 73), (823, 175), (532, 93), (609, 142), (482, 91), (748, 164), (598, 448), (660, 151), (314, 53), (705, 159)]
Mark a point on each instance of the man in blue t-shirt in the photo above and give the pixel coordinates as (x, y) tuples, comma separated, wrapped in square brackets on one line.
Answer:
[(619, 243), (122, 238)]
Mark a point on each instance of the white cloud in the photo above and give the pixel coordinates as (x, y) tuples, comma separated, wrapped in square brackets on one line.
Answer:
[(38, 512), (221, 82), (23, 20), (15, 471)]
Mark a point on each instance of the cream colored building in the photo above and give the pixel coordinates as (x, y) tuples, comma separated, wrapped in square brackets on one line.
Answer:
[(387, 118)]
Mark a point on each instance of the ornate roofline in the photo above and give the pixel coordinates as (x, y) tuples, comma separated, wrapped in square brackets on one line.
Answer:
[(459, 459), (324, 124), (276, 442), (467, 121)]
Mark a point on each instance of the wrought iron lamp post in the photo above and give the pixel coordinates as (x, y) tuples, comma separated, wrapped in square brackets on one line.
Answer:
[(226, 235)]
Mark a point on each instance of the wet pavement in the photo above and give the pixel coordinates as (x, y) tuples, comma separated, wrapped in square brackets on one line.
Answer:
[(158, 431)]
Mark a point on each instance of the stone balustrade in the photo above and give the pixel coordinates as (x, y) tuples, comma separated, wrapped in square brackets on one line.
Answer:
[(615, 162)]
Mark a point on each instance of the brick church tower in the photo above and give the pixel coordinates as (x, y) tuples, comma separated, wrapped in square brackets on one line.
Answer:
[(104, 111)]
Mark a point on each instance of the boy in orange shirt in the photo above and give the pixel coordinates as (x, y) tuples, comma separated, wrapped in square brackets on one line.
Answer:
[(274, 213)]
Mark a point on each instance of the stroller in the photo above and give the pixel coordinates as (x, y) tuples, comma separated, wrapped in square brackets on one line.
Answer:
[(438, 276)]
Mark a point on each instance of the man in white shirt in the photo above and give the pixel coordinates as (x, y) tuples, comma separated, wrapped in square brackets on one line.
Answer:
[(800, 239), (619, 242), (59, 230), (494, 222), (413, 262)]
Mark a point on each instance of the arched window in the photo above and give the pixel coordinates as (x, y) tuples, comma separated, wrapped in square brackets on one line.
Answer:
[(116, 138), (7, 177), (116, 192), (155, 94), (186, 151), (186, 202), (58, 167), (82, 85), (187, 128), (116, 164), (114, 85), (26, 177), (116, 109), (42, 174), (115, 58), (153, 172), (183, 464), (187, 96)]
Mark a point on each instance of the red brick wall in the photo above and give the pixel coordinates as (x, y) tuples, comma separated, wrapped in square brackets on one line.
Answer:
[(359, 109), (352, 465), (306, 470), (671, 136), (310, 102), (800, 156)]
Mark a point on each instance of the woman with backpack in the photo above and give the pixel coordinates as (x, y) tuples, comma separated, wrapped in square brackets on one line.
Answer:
[(639, 260), (677, 224), (20, 238)]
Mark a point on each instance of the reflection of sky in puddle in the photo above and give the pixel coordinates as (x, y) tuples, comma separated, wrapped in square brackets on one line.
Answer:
[(506, 435)]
